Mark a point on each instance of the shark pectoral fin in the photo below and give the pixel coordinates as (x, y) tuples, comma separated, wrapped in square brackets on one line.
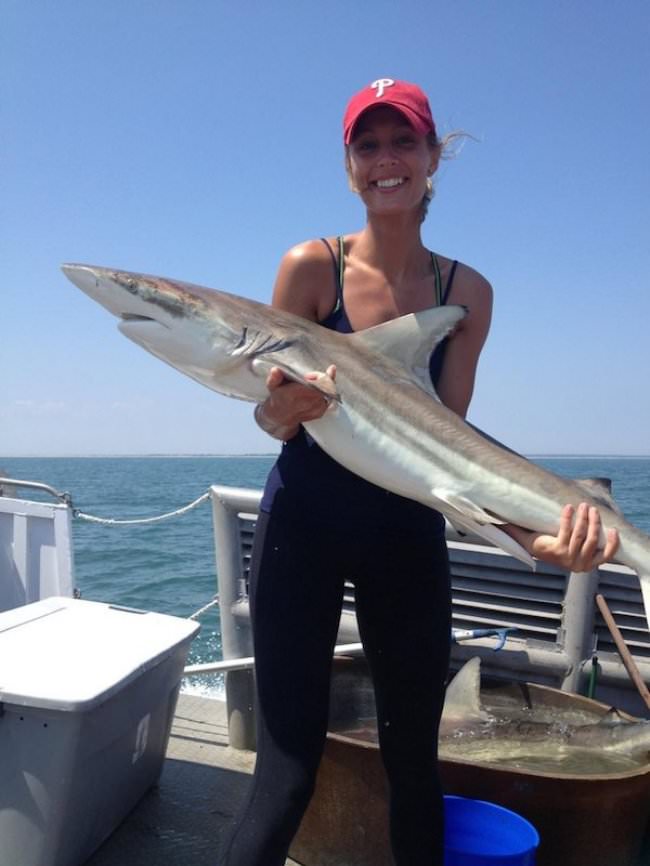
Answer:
[(412, 338), (261, 367), (491, 533), (324, 383), (508, 544), (318, 380), (466, 506)]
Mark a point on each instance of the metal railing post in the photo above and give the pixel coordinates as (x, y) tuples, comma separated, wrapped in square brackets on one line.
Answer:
[(578, 626), (236, 641)]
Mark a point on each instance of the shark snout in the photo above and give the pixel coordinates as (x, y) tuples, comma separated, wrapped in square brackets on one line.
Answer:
[(103, 286), (95, 283), (83, 276)]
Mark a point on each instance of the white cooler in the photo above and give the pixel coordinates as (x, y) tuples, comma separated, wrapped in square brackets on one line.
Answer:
[(87, 696)]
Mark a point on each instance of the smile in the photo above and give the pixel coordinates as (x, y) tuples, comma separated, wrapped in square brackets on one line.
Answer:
[(390, 182)]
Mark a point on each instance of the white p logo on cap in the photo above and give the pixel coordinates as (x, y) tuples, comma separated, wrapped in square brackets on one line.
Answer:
[(381, 84)]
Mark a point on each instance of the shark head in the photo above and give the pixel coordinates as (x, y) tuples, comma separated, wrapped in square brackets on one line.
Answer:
[(203, 333)]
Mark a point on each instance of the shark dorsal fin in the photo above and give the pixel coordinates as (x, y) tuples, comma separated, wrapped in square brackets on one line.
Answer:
[(599, 489), (463, 695), (411, 339), (613, 717)]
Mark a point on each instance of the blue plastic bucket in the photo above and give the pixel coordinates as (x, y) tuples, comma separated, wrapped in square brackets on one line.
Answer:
[(478, 833)]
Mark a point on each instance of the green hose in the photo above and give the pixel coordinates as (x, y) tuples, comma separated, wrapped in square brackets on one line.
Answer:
[(593, 677)]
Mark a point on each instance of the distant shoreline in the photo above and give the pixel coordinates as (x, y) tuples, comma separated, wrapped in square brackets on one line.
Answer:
[(588, 456), (273, 454)]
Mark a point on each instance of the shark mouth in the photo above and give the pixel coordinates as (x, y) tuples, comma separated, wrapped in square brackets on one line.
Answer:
[(133, 324), (134, 317)]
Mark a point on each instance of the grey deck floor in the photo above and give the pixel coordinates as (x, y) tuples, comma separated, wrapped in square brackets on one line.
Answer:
[(183, 821)]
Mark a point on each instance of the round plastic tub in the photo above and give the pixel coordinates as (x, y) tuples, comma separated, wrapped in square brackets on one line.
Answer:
[(478, 833)]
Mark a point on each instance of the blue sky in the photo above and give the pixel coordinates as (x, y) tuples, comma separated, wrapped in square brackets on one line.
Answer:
[(202, 139)]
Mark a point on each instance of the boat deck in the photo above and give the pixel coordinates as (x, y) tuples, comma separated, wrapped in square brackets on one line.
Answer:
[(184, 820), (186, 817)]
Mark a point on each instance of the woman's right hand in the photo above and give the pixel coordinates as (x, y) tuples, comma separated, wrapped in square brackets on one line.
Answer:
[(291, 404)]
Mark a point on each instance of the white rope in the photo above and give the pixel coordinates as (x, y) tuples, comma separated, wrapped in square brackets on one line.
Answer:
[(109, 521), (205, 607)]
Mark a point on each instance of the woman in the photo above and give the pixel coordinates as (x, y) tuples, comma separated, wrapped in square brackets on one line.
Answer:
[(321, 525)]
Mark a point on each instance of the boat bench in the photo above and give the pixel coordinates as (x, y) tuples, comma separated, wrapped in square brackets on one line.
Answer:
[(559, 630)]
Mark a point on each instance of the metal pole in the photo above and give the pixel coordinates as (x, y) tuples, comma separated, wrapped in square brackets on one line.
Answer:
[(578, 622), (623, 651), (245, 664), (237, 642)]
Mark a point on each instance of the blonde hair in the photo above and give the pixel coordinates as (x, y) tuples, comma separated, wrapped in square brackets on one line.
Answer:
[(448, 147)]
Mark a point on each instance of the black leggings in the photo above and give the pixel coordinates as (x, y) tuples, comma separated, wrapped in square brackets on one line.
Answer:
[(399, 565)]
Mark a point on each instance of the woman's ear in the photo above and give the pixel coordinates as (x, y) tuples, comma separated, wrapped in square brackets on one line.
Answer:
[(433, 167), (348, 171)]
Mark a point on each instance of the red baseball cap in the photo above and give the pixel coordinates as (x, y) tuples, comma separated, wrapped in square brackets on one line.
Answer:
[(408, 98)]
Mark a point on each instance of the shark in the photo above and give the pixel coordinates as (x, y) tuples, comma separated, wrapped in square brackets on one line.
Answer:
[(384, 421), (511, 733)]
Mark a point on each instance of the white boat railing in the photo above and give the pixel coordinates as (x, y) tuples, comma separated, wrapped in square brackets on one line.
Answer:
[(36, 554), (559, 633)]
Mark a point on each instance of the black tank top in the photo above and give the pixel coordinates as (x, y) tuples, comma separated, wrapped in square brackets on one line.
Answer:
[(314, 479), (338, 318)]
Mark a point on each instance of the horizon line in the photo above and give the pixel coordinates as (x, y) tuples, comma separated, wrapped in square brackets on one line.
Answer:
[(265, 454)]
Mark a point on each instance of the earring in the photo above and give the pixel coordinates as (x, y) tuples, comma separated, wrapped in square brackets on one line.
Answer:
[(428, 189)]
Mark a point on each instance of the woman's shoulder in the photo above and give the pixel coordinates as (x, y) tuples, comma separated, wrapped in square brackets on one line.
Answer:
[(311, 253), (473, 291), (305, 282), (468, 285)]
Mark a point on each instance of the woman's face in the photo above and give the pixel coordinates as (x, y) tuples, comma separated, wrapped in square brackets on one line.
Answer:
[(389, 162)]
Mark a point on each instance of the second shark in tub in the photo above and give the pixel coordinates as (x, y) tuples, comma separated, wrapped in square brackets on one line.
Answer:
[(468, 729)]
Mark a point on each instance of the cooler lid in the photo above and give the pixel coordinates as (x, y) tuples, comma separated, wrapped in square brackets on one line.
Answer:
[(72, 654)]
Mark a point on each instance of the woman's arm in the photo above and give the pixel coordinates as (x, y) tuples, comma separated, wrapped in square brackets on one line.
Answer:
[(575, 547), (456, 383), (290, 404), (304, 286)]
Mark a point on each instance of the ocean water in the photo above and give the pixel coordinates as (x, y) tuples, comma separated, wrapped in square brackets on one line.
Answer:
[(169, 566), (630, 477)]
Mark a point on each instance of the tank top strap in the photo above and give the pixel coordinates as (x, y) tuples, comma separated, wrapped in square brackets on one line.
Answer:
[(450, 281), (341, 242), (438, 279), (338, 263), (441, 296)]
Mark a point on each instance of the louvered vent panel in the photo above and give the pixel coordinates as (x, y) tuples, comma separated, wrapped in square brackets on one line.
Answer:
[(505, 594), (622, 593), (247, 524), (348, 598)]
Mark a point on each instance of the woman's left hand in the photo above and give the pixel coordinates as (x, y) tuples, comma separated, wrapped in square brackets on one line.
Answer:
[(575, 547)]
